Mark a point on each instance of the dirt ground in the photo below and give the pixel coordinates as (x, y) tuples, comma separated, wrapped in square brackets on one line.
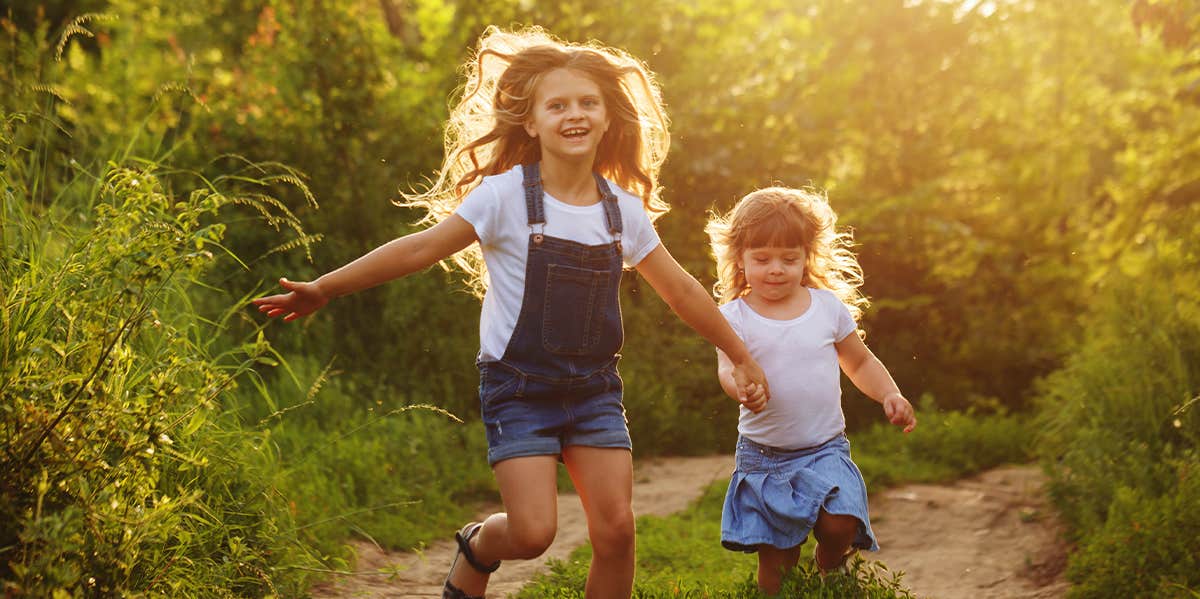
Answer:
[(992, 536), (988, 536)]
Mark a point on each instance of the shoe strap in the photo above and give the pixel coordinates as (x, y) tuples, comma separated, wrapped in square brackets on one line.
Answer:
[(449, 591), (464, 545)]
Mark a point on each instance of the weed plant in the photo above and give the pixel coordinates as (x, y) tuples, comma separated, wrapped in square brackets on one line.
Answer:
[(946, 445), (1121, 431), (119, 472)]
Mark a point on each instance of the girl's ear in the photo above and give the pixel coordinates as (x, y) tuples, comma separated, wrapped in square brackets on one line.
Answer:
[(529, 128)]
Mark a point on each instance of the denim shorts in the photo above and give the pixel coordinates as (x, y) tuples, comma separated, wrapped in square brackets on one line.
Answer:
[(527, 414), (775, 495)]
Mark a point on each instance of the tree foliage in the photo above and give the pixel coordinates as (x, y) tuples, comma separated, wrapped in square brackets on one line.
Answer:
[(1004, 165)]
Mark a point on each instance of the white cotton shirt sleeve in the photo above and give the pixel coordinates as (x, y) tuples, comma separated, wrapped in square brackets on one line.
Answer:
[(800, 361)]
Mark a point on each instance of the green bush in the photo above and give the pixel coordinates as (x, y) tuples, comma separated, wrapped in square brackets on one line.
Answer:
[(397, 472), (1146, 546), (119, 473), (944, 446), (1121, 431)]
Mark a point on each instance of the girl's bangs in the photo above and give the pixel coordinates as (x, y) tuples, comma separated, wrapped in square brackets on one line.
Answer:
[(775, 229)]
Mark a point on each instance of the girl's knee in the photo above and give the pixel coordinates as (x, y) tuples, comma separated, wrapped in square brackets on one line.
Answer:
[(836, 528), (615, 535), (531, 540)]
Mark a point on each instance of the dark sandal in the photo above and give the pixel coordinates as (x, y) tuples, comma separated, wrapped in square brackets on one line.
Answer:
[(463, 538)]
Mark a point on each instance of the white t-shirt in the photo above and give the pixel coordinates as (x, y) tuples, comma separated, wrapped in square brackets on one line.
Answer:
[(801, 364), (496, 209)]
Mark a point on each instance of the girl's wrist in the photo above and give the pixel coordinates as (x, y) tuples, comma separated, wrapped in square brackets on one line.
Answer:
[(740, 360), (323, 288), (890, 395)]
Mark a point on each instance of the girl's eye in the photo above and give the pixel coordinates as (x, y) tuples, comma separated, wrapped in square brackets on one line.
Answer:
[(590, 102), (555, 106)]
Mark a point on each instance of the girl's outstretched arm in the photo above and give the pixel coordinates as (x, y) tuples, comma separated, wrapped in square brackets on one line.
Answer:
[(688, 299), (872, 378), (391, 260)]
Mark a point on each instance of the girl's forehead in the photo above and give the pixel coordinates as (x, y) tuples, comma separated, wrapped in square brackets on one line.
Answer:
[(775, 249), (565, 81)]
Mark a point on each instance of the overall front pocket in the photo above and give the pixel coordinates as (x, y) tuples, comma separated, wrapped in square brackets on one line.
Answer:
[(574, 312)]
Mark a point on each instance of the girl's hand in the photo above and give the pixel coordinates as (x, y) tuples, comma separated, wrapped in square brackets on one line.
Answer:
[(756, 398), (753, 391), (302, 299), (899, 412)]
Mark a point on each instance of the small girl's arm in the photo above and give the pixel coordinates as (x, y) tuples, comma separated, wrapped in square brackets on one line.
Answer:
[(397, 258), (755, 397), (687, 298), (871, 377)]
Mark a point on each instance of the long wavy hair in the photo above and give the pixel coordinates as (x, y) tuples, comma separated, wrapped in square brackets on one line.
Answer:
[(783, 217), (485, 133)]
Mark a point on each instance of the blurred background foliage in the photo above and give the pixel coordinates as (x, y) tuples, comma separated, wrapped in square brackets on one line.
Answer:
[(1021, 176)]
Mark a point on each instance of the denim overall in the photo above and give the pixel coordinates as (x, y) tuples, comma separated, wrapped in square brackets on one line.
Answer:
[(557, 383)]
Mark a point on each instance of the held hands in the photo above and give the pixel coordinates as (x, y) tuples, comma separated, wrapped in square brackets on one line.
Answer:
[(302, 299), (899, 412), (752, 386)]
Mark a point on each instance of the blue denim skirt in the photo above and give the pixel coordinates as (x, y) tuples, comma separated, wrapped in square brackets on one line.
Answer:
[(775, 495)]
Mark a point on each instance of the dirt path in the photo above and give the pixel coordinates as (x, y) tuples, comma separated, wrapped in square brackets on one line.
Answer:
[(660, 487), (988, 536)]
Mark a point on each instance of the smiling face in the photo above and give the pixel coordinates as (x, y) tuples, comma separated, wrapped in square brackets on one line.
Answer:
[(775, 275), (569, 117)]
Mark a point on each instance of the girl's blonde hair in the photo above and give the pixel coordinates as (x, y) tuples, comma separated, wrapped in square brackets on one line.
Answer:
[(485, 133), (782, 217)]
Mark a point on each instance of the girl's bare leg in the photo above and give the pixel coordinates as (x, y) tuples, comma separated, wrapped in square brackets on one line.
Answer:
[(773, 562), (528, 489), (604, 479), (835, 533)]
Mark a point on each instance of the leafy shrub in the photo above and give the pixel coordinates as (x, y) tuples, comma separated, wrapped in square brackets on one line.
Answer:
[(1145, 548), (1121, 432), (397, 472), (945, 445), (118, 472)]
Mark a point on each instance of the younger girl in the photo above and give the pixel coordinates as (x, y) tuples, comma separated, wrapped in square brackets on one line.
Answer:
[(791, 287), (552, 160)]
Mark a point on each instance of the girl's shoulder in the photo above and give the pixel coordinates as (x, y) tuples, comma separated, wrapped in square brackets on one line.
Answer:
[(827, 300), (623, 195), (506, 182), (732, 308), (824, 296), (834, 310)]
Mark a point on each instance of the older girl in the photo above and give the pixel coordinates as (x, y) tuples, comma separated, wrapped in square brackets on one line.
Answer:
[(550, 185)]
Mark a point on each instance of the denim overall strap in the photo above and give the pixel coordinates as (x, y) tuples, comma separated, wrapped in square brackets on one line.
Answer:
[(612, 211), (535, 210), (569, 325)]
